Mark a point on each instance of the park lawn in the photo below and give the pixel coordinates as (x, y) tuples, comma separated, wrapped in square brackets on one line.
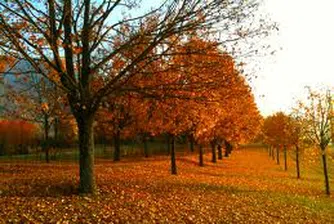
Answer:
[(247, 187)]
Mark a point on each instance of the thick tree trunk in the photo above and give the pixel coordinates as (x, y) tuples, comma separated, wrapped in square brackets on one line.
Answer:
[(285, 159), (277, 155), (173, 159), (146, 152), (220, 152), (201, 161), (213, 151), (191, 141), (86, 147), (297, 162), (117, 145), (324, 163)]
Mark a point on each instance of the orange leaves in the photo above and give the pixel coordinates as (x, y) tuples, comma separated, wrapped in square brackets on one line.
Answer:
[(239, 189), (277, 129), (45, 107), (6, 62), (15, 132)]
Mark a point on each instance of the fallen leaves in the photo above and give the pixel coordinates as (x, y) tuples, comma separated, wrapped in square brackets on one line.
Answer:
[(245, 188)]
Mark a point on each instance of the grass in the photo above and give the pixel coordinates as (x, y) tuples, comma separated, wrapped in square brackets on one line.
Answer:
[(247, 187)]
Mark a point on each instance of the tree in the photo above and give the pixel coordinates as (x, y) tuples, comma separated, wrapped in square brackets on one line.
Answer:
[(276, 132), (316, 113), (35, 99), (297, 137), (90, 38)]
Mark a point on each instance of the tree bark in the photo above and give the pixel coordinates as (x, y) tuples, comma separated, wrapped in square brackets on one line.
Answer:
[(86, 146), (277, 155), (201, 161), (226, 149), (273, 153), (285, 159), (173, 159), (117, 146), (230, 148), (297, 162), (324, 163), (220, 152), (213, 150)]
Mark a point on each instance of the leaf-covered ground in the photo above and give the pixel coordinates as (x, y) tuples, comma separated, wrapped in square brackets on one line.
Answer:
[(248, 187)]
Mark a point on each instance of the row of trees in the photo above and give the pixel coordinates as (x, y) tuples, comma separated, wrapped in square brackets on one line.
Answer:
[(218, 109), (97, 57), (309, 125), (222, 111)]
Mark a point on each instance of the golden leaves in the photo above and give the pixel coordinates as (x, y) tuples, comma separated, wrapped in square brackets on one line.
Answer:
[(250, 191), (45, 107)]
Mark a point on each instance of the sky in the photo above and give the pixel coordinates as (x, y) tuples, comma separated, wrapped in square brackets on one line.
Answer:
[(306, 36)]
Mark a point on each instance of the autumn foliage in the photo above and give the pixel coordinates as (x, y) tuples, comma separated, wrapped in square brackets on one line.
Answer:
[(246, 188), (16, 136), (171, 54)]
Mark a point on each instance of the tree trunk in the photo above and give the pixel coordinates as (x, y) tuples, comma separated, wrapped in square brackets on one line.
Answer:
[(173, 160), (191, 139), (230, 148), (285, 159), (201, 161), (226, 149), (86, 147), (297, 162), (46, 138), (324, 163), (220, 152), (146, 153), (117, 145), (273, 153), (277, 155), (213, 150)]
